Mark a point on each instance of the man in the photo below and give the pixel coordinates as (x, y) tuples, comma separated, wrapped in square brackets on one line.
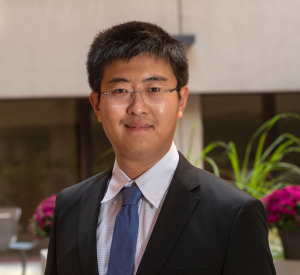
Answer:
[(153, 212)]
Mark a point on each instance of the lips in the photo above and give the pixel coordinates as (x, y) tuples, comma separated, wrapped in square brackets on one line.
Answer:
[(138, 126)]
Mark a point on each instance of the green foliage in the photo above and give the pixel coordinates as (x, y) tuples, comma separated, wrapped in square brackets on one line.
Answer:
[(256, 179), (275, 244), (37, 231)]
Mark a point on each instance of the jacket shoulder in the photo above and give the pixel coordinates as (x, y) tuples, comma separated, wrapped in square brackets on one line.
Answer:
[(206, 185), (220, 184), (75, 191), (221, 194)]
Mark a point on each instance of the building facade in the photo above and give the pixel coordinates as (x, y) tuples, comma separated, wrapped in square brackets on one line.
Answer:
[(244, 68)]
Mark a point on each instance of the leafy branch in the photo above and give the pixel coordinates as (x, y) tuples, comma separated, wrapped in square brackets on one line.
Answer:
[(256, 179)]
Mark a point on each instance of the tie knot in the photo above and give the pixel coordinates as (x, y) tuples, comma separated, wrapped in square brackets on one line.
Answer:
[(131, 195)]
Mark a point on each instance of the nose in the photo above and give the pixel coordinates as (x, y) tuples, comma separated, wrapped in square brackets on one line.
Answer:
[(137, 105)]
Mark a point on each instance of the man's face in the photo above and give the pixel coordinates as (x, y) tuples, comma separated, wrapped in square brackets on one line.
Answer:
[(140, 131)]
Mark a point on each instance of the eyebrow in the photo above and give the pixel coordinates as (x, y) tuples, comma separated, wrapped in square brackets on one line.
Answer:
[(148, 79), (118, 79), (155, 78)]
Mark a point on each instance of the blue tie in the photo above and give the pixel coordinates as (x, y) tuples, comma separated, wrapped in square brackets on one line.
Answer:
[(122, 252)]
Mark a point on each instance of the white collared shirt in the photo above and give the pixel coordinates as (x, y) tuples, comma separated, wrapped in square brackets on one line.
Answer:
[(153, 184)]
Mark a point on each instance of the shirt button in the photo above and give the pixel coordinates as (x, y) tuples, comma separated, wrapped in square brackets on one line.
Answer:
[(115, 202)]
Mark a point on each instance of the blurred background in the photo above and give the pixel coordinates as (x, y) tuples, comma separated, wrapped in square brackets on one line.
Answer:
[(244, 61)]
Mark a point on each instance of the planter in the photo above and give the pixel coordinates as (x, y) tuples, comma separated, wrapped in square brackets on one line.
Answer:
[(291, 243)]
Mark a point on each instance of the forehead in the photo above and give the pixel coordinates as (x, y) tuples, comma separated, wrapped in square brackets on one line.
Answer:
[(137, 69)]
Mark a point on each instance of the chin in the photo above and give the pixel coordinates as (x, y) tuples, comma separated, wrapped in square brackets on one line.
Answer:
[(139, 149)]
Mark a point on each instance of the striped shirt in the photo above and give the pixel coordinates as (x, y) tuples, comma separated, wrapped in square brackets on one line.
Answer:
[(153, 184)]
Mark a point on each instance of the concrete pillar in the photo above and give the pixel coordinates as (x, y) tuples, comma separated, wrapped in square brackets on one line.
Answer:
[(192, 115)]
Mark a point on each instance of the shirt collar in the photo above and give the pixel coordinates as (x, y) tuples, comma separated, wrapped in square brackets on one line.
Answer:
[(153, 183)]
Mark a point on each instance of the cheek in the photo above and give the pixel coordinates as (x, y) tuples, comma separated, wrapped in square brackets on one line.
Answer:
[(161, 109), (167, 116), (111, 119), (173, 108), (170, 108), (109, 123)]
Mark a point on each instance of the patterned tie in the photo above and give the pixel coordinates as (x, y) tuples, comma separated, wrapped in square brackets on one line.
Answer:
[(122, 252)]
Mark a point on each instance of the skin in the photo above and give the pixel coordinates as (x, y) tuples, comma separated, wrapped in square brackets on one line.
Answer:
[(141, 134)]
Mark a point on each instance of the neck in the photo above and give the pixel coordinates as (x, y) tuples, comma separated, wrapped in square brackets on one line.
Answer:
[(134, 167)]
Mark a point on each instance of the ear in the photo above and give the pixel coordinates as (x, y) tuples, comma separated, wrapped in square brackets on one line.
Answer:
[(184, 93), (95, 104)]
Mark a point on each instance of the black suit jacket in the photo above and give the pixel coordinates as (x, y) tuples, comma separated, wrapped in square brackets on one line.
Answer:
[(206, 226)]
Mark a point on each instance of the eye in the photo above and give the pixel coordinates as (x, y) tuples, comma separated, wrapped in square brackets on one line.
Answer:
[(119, 91), (154, 89)]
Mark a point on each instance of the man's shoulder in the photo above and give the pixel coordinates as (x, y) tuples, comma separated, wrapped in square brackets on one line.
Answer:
[(222, 194), (78, 189), (211, 181), (210, 188), (220, 201)]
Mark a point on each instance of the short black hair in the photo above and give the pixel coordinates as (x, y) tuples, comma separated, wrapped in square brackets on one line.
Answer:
[(130, 39)]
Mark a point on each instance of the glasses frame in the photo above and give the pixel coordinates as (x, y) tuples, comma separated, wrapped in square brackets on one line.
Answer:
[(132, 96)]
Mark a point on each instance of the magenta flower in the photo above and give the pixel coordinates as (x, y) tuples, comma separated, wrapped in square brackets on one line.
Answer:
[(283, 207), (41, 222)]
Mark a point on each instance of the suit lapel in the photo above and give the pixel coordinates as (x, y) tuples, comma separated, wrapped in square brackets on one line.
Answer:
[(175, 213), (89, 213)]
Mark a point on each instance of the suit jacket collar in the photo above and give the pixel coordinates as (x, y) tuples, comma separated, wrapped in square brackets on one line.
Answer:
[(175, 213), (88, 220)]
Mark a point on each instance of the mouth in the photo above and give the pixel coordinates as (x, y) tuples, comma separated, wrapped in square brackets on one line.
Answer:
[(138, 126)]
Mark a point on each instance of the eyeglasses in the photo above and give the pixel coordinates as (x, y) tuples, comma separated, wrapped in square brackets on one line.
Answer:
[(152, 95)]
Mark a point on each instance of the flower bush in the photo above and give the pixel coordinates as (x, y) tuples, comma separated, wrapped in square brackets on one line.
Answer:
[(41, 221), (283, 208)]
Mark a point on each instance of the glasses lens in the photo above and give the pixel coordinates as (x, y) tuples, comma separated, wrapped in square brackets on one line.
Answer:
[(119, 97), (155, 95), (152, 95)]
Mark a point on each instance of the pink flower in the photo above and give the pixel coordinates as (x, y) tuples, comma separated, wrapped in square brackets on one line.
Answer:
[(283, 207), (273, 218), (41, 221)]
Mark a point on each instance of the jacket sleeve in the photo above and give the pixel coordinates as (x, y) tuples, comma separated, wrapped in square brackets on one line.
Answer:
[(248, 250), (51, 266)]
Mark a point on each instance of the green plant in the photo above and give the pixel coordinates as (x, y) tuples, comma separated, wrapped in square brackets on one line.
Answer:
[(256, 179)]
